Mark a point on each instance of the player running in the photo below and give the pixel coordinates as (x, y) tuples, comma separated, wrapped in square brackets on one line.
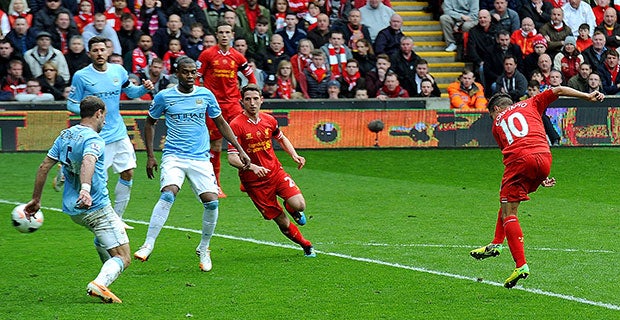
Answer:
[(520, 134), (265, 179), (107, 81), (186, 153), (218, 67)]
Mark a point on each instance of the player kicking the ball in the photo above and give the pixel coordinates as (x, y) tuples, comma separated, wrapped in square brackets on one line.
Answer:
[(265, 179), (85, 198), (520, 134)]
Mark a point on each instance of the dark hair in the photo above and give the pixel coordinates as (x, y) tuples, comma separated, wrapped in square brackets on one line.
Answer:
[(503, 32), (426, 80), (96, 39), (183, 60), (499, 99), (223, 23), (196, 25), (264, 20), (510, 56), (250, 87), (126, 16), (584, 26), (533, 83), (90, 105), (611, 53)]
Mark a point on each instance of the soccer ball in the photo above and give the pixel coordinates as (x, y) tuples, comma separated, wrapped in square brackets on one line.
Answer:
[(22, 224)]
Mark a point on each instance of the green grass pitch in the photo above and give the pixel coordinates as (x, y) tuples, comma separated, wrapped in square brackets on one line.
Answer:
[(393, 229)]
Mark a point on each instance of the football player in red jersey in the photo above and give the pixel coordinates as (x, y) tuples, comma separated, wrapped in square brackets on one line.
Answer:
[(265, 180), (218, 66), (520, 134)]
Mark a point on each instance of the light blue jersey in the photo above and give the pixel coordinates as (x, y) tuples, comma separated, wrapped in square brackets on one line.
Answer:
[(187, 136), (107, 86), (69, 148)]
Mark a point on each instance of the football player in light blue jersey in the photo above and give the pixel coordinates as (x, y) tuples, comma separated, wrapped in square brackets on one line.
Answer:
[(186, 154), (107, 81), (85, 199)]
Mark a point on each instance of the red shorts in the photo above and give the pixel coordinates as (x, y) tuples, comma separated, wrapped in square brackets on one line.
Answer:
[(229, 112), (524, 176), (265, 193)]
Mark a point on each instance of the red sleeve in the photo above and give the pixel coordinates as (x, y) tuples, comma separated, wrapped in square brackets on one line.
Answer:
[(544, 99), (245, 68), (202, 64)]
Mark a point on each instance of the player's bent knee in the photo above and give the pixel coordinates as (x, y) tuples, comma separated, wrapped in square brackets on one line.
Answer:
[(211, 205), (167, 196)]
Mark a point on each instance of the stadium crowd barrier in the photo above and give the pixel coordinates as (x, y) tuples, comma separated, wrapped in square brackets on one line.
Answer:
[(330, 124)]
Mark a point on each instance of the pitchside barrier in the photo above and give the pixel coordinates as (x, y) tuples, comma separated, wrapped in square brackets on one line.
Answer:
[(329, 124)]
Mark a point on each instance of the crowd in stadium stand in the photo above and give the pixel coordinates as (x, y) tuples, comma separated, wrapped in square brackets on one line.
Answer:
[(328, 49)]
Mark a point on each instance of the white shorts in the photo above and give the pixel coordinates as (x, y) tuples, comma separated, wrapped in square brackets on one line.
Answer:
[(199, 173), (106, 225), (119, 155)]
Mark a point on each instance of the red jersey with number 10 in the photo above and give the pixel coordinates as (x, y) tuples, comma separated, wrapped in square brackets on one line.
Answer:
[(519, 129), (255, 139), (219, 73)]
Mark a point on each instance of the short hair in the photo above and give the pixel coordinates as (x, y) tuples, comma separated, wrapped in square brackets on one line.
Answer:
[(126, 16), (499, 99), (503, 32), (76, 37), (384, 57), (195, 25), (250, 87), (90, 105), (422, 61), (510, 56), (426, 80), (597, 32), (96, 39), (157, 60), (584, 26), (263, 20), (304, 40), (223, 23), (16, 61), (406, 38), (353, 60), (533, 84), (338, 31), (182, 60), (318, 52), (611, 53)]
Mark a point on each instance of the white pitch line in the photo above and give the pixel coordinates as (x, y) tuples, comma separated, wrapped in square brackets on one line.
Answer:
[(380, 262), (426, 245)]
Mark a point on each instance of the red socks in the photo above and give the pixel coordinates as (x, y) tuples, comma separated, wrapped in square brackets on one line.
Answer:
[(295, 236), (500, 235), (514, 234)]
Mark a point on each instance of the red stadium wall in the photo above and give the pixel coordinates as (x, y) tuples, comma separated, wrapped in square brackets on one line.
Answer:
[(331, 128)]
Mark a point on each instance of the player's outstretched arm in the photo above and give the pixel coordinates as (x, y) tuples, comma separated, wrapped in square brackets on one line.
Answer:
[(35, 204), (287, 146), (227, 133), (570, 92)]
